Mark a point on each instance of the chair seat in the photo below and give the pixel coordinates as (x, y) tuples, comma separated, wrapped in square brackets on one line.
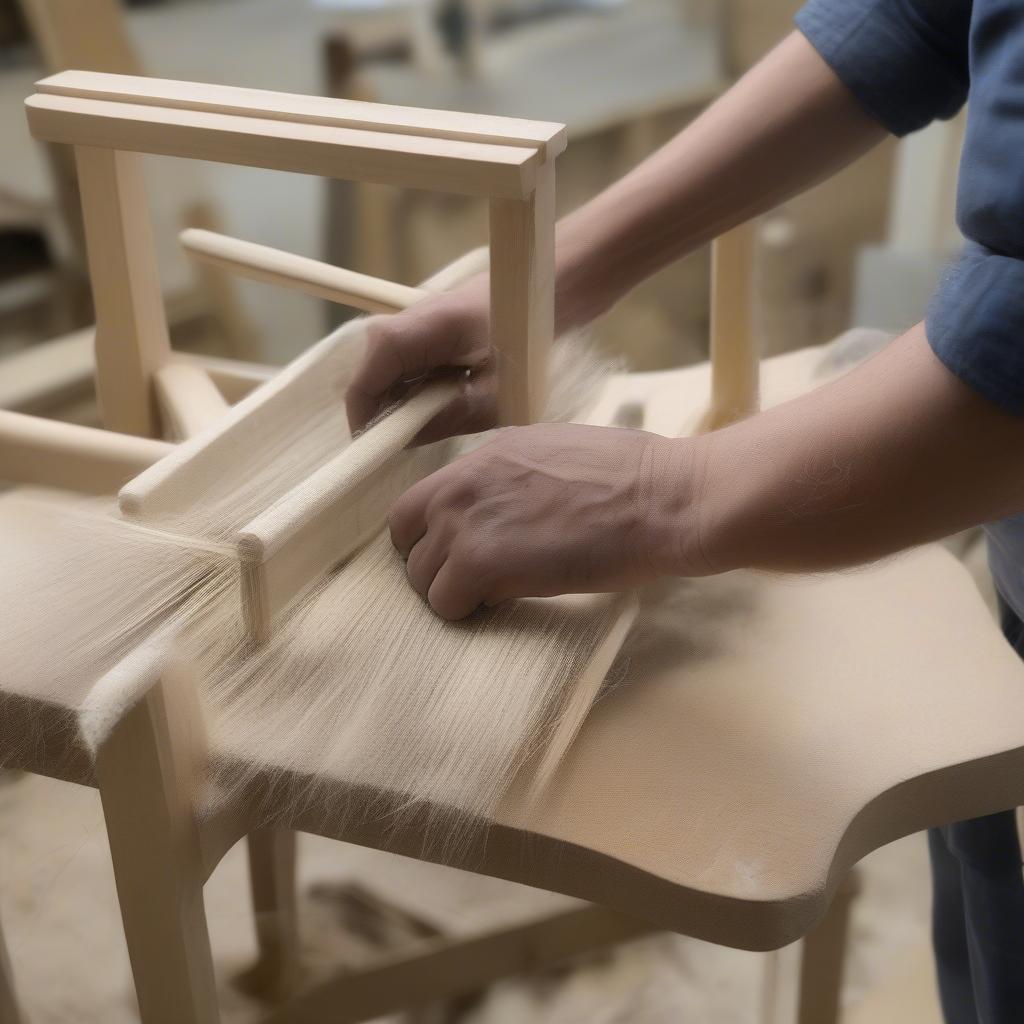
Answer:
[(758, 736)]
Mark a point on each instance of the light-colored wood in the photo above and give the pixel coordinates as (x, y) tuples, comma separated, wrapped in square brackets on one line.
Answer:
[(443, 968), (234, 378), (727, 782), (45, 375), (332, 514), (272, 865), (411, 161), (162, 487), (823, 959), (734, 357), (522, 243), (51, 373), (314, 277), (547, 138), (82, 34), (9, 1011), (188, 398), (131, 329), (54, 454), (146, 777)]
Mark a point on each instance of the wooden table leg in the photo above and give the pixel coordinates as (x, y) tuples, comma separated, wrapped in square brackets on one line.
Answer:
[(824, 952), (274, 902), (145, 772)]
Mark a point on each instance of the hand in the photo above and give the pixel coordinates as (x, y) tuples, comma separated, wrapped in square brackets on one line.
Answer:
[(549, 509), (451, 330)]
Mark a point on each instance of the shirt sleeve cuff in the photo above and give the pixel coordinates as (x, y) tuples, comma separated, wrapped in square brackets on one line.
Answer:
[(900, 77), (975, 325)]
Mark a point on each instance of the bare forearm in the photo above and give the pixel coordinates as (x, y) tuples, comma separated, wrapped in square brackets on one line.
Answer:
[(896, 453), (784, 126)]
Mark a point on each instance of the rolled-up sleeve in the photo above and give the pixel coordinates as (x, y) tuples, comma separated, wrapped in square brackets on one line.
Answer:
[(975, 324), (975, 320), (905, 60)]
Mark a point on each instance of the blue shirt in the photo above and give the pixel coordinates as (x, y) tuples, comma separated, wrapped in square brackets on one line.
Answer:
[(909, 62)]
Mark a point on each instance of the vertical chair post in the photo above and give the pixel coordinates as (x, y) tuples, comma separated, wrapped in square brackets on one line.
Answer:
[(131, 325), (272, 866), (735, 362), (522, 297), (145, 769)]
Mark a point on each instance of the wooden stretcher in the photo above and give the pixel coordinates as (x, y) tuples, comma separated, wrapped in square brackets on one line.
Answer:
[(745, 760)]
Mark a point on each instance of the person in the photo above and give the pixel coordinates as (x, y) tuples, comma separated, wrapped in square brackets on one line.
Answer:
[(924, 439)]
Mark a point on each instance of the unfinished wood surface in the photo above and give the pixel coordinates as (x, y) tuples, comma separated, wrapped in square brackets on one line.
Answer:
[(234, 378), (522, 243), (82, 34), (51, 373), (442, 968), (272, 864), (47, 374), (131, 328), (773, 732), (734, 355), (188, 468), (546, 137), (823, 959), (188, 398), (49, 453), (388, 158), (308, 531), (313, 277), (146, 778)]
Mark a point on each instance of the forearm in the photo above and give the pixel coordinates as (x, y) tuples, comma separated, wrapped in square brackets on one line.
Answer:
[(784, 126), (894, 454)]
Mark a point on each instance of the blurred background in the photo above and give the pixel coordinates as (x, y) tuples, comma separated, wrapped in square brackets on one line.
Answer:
[(863, 249)]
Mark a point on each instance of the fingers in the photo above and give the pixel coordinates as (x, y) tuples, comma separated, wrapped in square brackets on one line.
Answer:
[(404, 348), (453, 594), (408, 518), (474, 410), (425, 560)]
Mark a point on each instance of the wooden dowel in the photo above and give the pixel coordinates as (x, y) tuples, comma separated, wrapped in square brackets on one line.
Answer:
[(54, 454), (234, 378), (189, 400), (313, 277), (54, 371), (735, 362)]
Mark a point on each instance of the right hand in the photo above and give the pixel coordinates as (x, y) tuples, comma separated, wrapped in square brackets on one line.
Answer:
[(448, 331)]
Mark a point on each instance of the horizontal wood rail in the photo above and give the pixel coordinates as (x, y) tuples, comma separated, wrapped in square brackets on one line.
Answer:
[(547, 137), (300, 273), (426, 150), (53, 454)]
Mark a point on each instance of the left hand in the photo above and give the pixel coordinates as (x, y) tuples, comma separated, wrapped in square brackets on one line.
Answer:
[(549, 509)]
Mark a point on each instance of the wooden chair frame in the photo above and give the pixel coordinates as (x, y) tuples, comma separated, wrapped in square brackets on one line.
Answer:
[(162, 854)]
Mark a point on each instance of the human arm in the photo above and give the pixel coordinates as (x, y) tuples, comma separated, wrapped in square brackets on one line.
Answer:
[(785, 125), (896, 453)]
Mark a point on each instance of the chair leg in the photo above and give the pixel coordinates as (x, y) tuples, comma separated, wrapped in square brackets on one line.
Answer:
[(144, 771), (274, 901), (9, 1013), (821, 965)]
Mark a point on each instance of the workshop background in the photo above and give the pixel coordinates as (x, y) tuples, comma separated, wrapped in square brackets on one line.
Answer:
[(863, 249)]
